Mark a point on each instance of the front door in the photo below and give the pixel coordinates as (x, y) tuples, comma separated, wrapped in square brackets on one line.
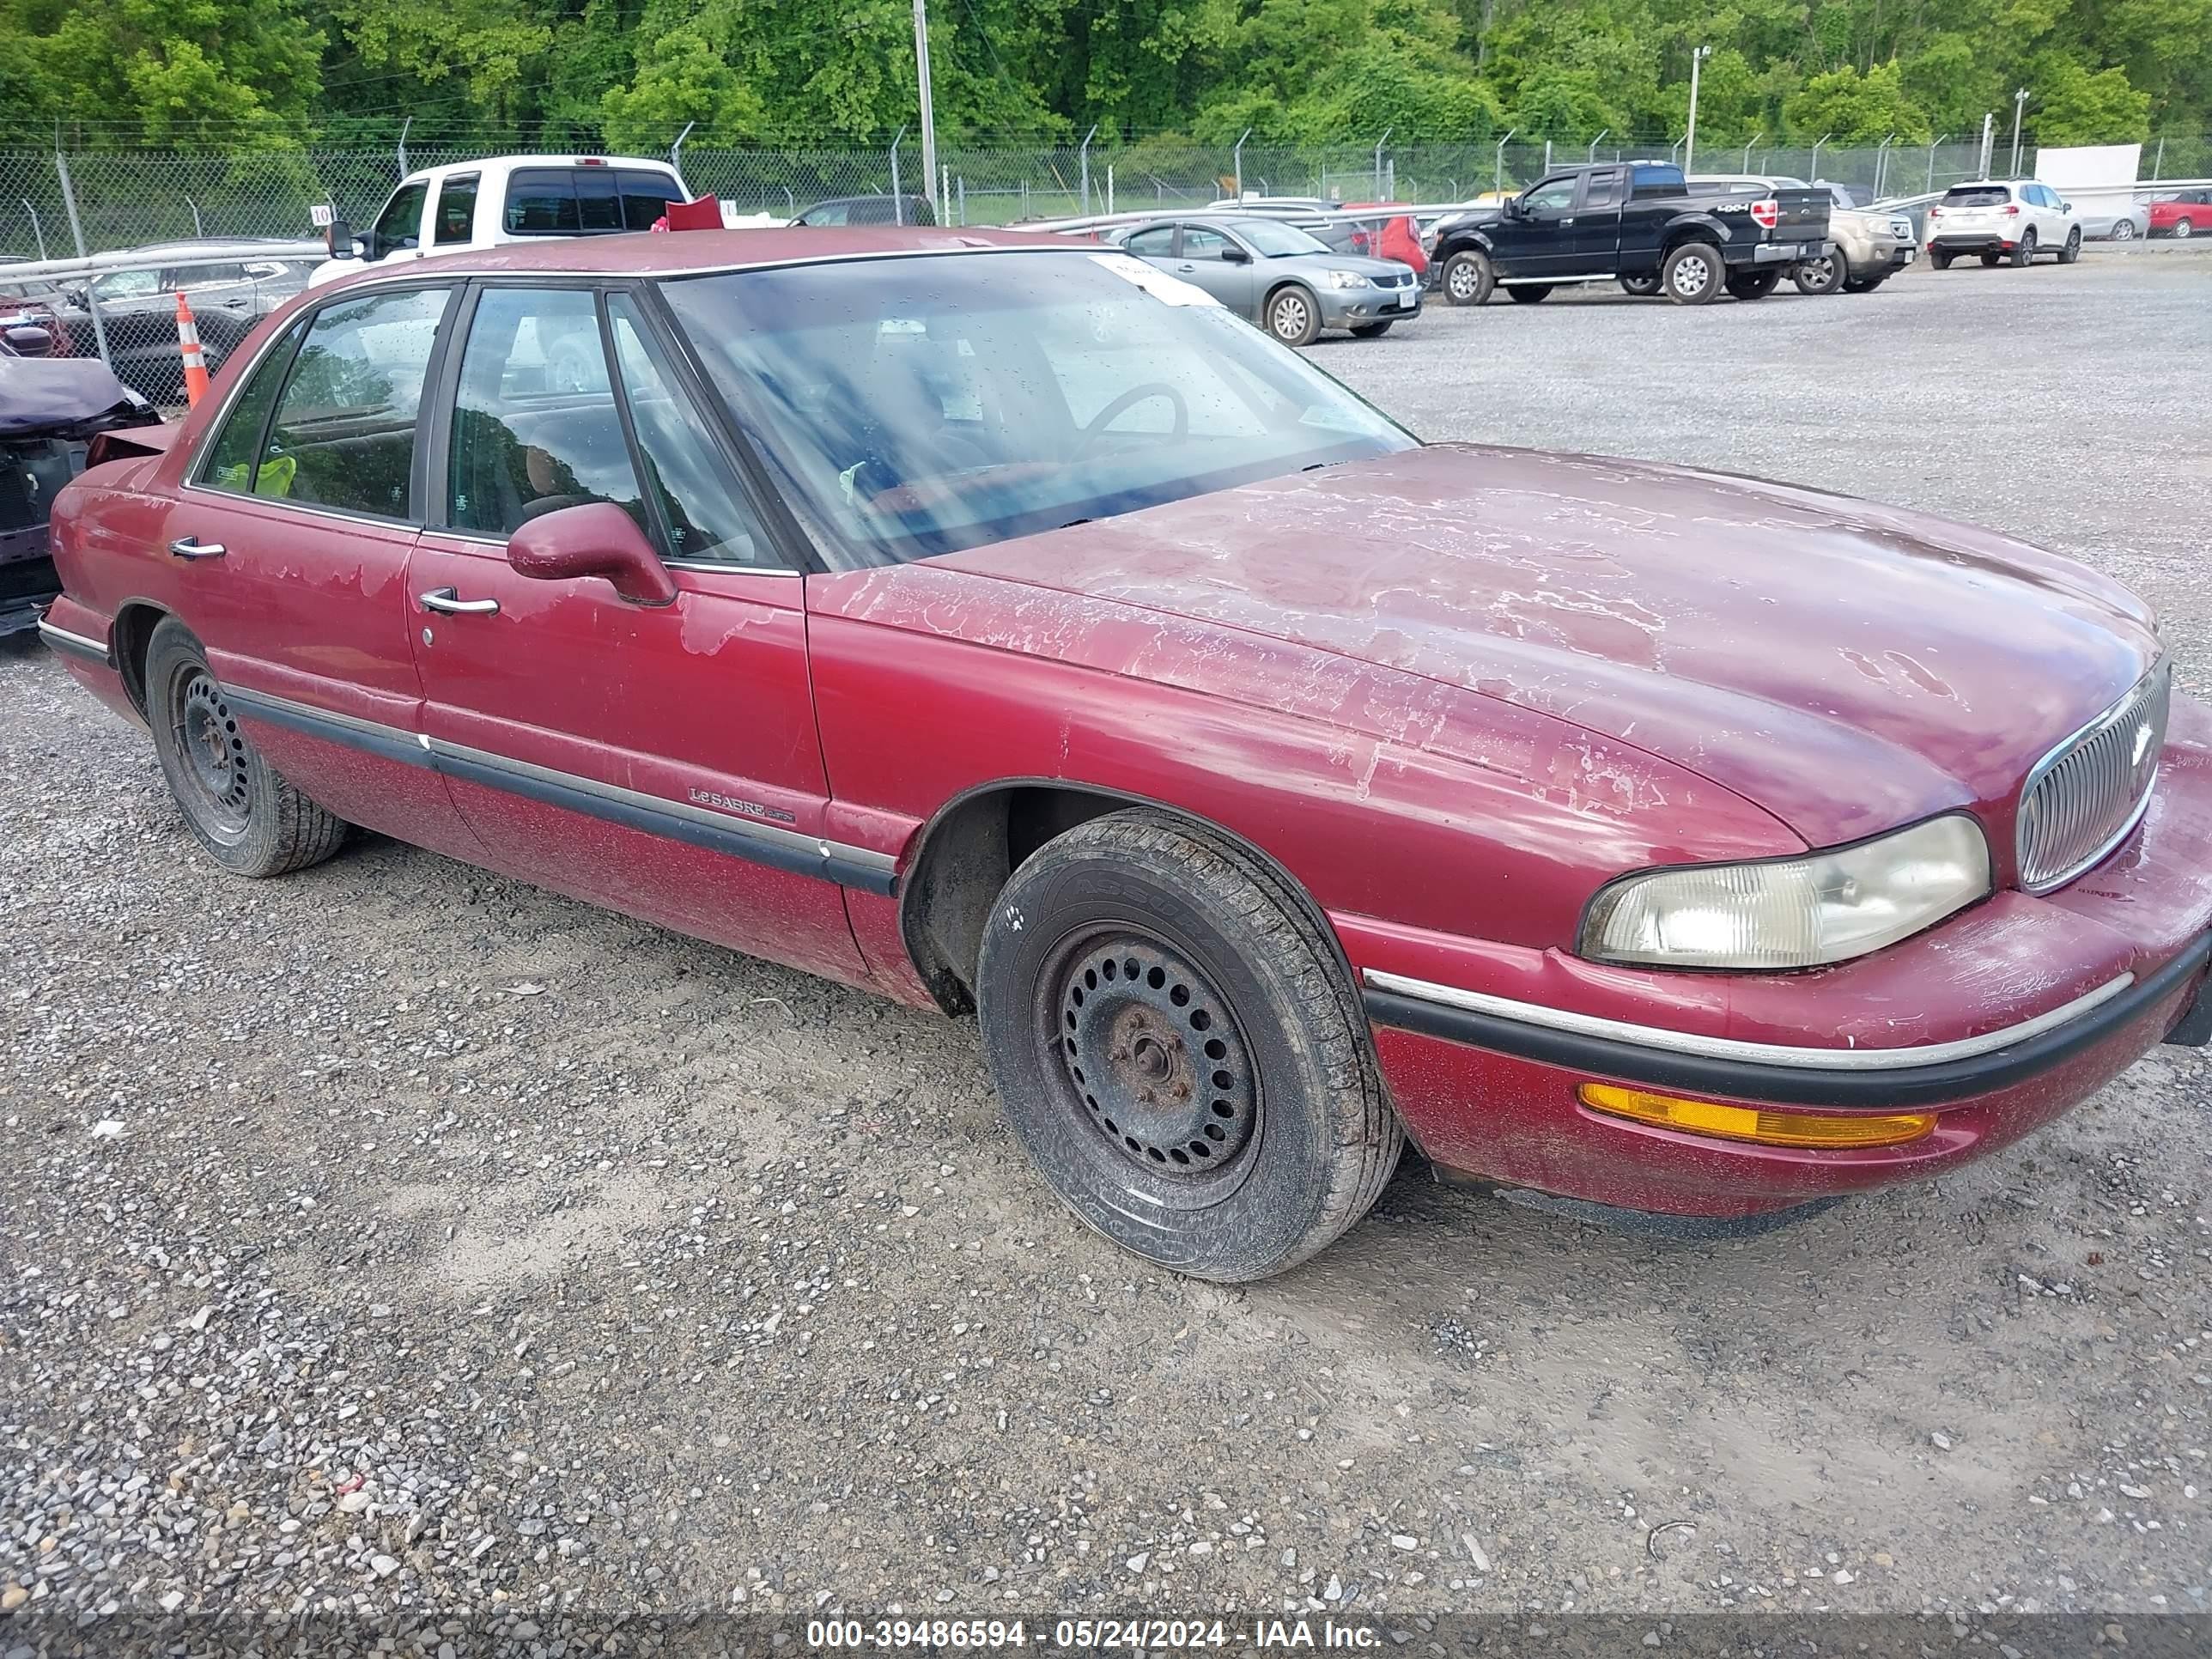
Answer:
[(286, 553), (1221, 267), (661, 760), (1536, 240)]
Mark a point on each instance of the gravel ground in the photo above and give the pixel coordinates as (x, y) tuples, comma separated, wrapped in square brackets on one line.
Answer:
[(393, 1245)]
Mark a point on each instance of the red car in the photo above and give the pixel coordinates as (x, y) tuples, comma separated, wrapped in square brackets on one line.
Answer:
[(1396, 238), (987, 621), (2183, 213)]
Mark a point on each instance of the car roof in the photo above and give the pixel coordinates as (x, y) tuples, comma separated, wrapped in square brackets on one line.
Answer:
[(681, 253), (570, 159)]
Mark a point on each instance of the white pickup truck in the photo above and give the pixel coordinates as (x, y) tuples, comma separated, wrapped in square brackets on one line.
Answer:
[(509, 198)]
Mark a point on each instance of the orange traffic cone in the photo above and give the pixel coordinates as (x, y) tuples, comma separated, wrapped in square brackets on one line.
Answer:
[(188, 341)]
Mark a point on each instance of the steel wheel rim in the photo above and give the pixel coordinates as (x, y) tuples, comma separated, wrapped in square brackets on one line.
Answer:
[(1691, 277), (2124, 231), (211, 755), (1156, 1068), (1290, 317)]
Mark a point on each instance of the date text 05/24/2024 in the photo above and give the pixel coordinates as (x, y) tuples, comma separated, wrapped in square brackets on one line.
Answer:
[(1086, 1634)]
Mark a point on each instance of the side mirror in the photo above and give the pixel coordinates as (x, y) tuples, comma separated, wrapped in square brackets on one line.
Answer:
[(2067, 207), (595, 540), (1234, 255), (341, 241), (28, 340)]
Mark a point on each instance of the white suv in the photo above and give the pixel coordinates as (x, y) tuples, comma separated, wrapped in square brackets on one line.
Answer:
[(2012, 219), (507, 199)]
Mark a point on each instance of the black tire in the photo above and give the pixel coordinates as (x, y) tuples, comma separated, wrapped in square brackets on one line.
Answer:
[(1693, 274), (1823, 276), (1293, 315), (1641, 284), (1467, 277), (1939, 259), (1865, 284), (1529, 294), (1752, 284), (2072, 251), (1373, 331), (2024, 251), (1990, 260), (251, 822), (1232, 1174)]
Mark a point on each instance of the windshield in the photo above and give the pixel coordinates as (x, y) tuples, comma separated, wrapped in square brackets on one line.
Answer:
[(1274, 241), (923, 405)]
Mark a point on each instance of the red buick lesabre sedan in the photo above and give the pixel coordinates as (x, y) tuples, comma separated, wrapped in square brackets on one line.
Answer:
[(994, 622)]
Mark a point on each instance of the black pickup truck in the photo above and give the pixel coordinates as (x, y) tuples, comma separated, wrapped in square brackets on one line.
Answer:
[(1636, 222)]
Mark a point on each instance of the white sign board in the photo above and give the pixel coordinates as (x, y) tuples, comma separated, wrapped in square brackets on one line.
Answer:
[(320, 215)]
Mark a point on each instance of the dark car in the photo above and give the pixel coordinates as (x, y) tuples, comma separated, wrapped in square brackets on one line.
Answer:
[(986, 621), (49, 407), (870, 211), (1634, 223), (138, 309)]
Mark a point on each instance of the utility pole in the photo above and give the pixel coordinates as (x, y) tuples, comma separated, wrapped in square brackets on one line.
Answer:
[(928, 112), (1690, 138), (1989, 138), (2018, 101)]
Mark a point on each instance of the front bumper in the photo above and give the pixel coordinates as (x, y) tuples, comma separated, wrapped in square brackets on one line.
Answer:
[(1357, 307), (1996, 1022)]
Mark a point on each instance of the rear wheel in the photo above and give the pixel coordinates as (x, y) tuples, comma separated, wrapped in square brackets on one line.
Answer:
[(1293, 317), (2124, 230), (1529, 294), (1693, 274), (2072, 251), (1467, 278), (1939, 259), (2025, 251), (1990, 259), (1641, 284), (2183, 227), (1864, 284), (1822, 275), (249, 818), (1373, 331), (1179, 1049), (1754, 284)]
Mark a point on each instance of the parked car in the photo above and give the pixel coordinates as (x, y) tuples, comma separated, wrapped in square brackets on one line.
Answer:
[(1278, 276), (2180, 213), (2104, 217), (987, 622), (870, 211), (1396, 237), (1632, 222), (2002, 219), (49, 408), (138, 308), (1871, 244), (506, 199)]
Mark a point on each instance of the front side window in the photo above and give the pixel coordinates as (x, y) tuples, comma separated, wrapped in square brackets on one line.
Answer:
[(535, 428), (1553, 196), (824, 213), (704, 508), (457, 211), (952, 401), (342, 436), (400, 224), (119, 285), (1200, 243)]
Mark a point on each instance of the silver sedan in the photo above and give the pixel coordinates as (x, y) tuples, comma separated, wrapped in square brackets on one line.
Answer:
[(1288, 281)]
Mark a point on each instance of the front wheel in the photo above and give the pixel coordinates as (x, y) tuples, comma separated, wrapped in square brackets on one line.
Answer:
[(1693, 274), (1179, 1048), (1529, 294), (1822, 275), (1468, 278), (1293, 317), (1373, 331), (244, 813), (1864, 284), (1752, 284)]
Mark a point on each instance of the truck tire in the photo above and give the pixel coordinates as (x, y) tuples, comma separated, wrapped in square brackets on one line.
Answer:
[(1467, 277), (1822, 275), (1752, 284), (1693, 274), (1178, 1048), (1641, 284), (1529, 294)]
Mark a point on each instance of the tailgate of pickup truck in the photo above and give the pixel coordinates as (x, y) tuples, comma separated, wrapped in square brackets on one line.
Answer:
[(1804, 215)]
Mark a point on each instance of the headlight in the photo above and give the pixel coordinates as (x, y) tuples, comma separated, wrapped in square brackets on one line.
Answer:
[(1792, 913), (1346, 279)]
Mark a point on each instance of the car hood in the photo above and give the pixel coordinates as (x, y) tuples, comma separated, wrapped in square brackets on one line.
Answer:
[(1846, 666), (1313, 264)]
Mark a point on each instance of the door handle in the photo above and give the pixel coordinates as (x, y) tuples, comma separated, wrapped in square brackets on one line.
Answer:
[(1569, 220), (445, 599), (1186, 267), (185, 547)]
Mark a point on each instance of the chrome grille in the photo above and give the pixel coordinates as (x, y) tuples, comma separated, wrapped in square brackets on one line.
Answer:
[(2085, 796)]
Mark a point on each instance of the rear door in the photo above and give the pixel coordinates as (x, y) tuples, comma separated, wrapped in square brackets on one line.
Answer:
[(289, 544), (659, 759), (1596, 235)]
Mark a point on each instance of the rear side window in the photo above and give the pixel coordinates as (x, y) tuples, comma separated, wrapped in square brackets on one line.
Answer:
[(1603, 190), (1157, 243), (824, 213), (1657, 181), (228, 463), (1977, 196), (342, 436), (457, 211)]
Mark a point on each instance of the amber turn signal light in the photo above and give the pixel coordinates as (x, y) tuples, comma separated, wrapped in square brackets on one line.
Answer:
[(1708, 1117)]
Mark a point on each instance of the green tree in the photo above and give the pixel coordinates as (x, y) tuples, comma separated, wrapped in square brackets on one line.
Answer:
[(1852, 108)]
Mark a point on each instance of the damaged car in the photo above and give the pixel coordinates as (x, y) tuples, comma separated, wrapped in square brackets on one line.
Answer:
[(997, 623), (50, 409)]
